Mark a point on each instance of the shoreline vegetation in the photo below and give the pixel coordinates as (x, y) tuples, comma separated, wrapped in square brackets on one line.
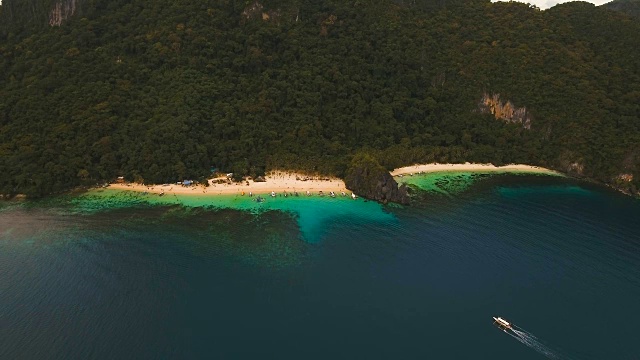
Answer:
[(286, 182)]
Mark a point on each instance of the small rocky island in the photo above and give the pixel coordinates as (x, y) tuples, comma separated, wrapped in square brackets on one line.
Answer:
[(366, 177)]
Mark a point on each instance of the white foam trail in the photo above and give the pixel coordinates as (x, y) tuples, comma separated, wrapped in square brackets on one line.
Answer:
[(518, 327), (531, 341)]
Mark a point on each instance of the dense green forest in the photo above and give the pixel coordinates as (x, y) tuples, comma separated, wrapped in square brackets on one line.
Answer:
[(162, 91), (629, 7)]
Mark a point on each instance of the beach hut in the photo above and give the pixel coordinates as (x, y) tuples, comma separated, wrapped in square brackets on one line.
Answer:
[(120, 179), (187, 182)]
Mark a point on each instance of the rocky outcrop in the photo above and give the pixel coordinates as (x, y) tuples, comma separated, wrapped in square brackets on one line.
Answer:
[(625, 177), (326, 23), (367, 178), (62, 10), (255, 10), (19, 13), (13, 197), (570, 163), (506, 111)]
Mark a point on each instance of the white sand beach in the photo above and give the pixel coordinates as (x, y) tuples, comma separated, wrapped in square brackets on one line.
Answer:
[(435, 167), (289, 182), (277, 181)]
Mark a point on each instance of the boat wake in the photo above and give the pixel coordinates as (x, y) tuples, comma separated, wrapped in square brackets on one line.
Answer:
[(533, 342)]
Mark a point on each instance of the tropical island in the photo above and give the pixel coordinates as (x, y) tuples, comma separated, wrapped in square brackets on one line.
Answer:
[(156, 93)]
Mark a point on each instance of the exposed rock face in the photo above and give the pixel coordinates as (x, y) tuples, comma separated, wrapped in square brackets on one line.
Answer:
[(331, 20), (576, 168), (253, 10), (505, 110), (570, 163), (625, 177), (62, 10), (367, 178), (12, 197)]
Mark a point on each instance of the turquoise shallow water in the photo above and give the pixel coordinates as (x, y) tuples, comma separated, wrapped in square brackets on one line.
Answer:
[(455, 182), (312, 213), (111, 275)]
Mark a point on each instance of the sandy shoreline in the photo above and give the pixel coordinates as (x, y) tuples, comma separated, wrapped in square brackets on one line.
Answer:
[(278, 182), (435, 167), (288, 182)]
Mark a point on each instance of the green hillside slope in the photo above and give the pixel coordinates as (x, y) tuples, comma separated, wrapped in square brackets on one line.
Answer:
[(165, 91), (629, 7)]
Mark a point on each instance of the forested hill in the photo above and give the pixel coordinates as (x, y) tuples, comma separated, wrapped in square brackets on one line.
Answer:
[(629, 7), (161, 91)]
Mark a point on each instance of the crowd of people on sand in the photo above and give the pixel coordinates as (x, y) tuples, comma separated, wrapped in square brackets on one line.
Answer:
[(321, 193), (411, 174)]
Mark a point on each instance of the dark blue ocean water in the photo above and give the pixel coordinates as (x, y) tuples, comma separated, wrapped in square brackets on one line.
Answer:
[(558, 258)]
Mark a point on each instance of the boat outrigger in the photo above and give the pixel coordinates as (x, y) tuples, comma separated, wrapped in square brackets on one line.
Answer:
[(502, 323)]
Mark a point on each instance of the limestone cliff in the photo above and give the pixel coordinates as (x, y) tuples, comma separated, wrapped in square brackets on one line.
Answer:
[(24, 12), (367, 178), (19, 13), (62, 10), (505, 110)]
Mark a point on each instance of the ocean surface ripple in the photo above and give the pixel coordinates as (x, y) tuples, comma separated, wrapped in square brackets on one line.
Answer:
[(315, 279)]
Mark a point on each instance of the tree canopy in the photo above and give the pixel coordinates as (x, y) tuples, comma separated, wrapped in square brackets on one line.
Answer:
[(164, 91)]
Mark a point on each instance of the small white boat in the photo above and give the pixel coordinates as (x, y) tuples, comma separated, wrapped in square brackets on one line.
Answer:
[(353, 196), (502, 323), (273, 194)]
